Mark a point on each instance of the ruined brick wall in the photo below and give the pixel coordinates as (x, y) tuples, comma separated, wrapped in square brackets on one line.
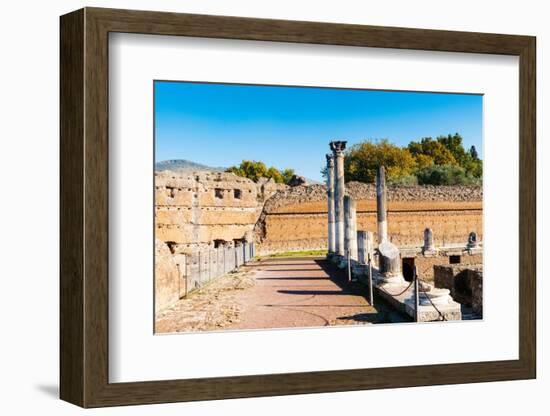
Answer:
[(195, 209), (425, 264), (296, 219)]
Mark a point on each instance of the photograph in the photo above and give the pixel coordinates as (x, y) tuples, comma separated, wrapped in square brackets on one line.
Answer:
[(280, 207)]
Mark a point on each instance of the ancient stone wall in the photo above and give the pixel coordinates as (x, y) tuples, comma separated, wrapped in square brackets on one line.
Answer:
[(167, 282), (296, 218), (198, 210)]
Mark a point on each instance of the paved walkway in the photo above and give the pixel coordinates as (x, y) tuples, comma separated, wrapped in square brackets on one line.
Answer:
[(274, 293), (300, 292)]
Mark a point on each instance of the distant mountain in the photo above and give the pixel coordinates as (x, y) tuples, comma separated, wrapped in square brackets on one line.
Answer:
[(182, 164)]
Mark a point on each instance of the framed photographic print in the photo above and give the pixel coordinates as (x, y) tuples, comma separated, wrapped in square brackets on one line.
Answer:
[(255, 207)]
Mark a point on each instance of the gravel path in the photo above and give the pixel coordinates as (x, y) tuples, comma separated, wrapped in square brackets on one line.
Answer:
[(273, 293)]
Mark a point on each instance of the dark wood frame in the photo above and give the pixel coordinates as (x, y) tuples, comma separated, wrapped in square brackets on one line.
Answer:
[(84, 208)]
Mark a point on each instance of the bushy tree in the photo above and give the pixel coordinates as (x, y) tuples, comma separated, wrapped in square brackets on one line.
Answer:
[(440, 161), (288, 174), (250, 169), (274, 174), (433, 149), (445, 175), (453, 143), (255, 170), (363, 159), (423, 161)]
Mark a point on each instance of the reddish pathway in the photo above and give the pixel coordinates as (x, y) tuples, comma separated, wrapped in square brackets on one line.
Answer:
[(299, 292)]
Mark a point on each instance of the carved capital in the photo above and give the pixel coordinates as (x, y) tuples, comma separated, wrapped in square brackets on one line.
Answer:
[(330, 160), (338, 147)]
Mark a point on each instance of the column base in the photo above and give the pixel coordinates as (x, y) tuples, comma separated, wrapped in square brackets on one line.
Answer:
[(398, 280)]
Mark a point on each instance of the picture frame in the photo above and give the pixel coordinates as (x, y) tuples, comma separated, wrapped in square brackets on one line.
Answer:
[(84, 216)]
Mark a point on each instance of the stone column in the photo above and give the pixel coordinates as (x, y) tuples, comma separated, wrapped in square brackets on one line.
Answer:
[(338, 148), (350, 221), (381, 210), (429, 247), (330, 198)]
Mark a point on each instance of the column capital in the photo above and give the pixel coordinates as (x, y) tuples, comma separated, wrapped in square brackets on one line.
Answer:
[(330, 160), (338, 147)]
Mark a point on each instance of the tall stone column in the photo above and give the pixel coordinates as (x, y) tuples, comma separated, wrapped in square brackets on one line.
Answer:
[(338, 148), (350, 221), (330, 198), (381, 210)]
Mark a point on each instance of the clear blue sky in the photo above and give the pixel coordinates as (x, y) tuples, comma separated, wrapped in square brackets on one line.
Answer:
[(222, 124)]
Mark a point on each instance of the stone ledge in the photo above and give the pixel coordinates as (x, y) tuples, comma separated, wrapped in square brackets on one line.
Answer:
[(404, 303)]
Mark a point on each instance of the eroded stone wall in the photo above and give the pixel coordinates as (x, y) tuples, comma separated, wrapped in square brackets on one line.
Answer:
[(167, 282), (296, 219), (197, 210)]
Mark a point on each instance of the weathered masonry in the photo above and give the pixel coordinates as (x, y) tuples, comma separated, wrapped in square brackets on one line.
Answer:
[(202, 210), (296, 218), (178, 274)]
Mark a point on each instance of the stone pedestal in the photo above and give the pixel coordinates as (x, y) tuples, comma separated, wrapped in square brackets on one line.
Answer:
[(390, 264), (437, 296), (428, 249)]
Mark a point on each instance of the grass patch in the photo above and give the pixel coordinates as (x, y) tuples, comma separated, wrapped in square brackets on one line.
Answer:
[(302, 253)]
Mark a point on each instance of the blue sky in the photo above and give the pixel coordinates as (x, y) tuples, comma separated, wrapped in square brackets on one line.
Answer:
[(222, 124)]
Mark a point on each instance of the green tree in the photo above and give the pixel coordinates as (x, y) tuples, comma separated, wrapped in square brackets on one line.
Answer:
[(254, 170), (423, 161), (250, 169), (434, 149), (445, 175), (288, 174), (473, 153), (362, 160), (472, 165), (274, 174), (453, 143)]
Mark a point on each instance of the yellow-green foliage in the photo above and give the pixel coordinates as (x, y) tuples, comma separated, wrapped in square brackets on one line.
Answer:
[(363, 159), (255, 170), (436, 161)]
